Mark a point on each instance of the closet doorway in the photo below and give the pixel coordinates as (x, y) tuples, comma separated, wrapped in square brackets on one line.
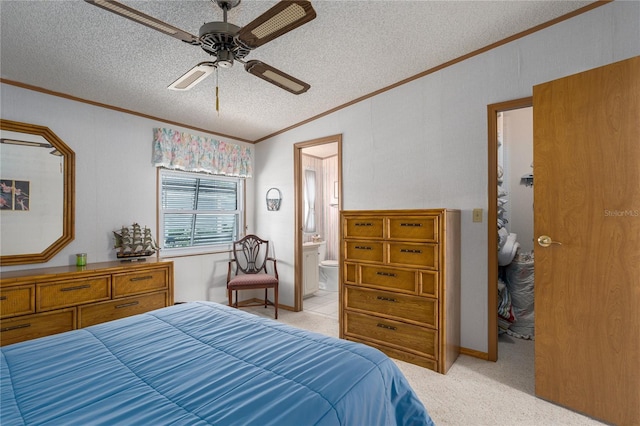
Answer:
[(498, 154), (326, 202)]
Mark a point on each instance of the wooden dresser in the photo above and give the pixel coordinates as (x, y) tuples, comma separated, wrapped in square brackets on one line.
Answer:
[(39, 302), (400, 283)]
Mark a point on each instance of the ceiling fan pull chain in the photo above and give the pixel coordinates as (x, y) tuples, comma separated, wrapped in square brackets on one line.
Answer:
[(217, 97)]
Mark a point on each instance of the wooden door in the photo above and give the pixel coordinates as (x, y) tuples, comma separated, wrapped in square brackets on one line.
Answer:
[(587, 197)]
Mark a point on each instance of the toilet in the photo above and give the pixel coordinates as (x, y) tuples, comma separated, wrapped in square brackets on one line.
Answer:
[(328, 270)]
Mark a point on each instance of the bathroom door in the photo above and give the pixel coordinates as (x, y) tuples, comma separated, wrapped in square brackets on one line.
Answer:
[(587, 202)]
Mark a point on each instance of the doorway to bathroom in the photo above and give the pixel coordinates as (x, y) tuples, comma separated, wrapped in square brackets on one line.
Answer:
[(318, 200)]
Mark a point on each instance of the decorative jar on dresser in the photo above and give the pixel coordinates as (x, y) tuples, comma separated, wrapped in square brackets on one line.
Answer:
[(39, 302), (400, 283)]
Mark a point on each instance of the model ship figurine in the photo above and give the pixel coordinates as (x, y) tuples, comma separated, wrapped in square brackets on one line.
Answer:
[(134, 242)]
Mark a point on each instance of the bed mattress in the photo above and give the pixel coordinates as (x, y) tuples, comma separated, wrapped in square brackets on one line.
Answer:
[(202, 363)]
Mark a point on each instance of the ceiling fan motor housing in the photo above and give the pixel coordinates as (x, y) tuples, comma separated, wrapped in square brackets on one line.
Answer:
[(219, 39)]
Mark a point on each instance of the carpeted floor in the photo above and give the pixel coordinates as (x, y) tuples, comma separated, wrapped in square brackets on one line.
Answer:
[(474, 392)]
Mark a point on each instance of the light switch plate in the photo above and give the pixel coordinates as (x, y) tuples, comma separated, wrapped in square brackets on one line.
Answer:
[(477, 215)]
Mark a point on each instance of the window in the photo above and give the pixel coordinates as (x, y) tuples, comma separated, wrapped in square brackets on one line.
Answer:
[(199, 211)]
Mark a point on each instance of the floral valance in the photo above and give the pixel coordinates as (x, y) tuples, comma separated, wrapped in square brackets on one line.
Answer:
[(178, 150)]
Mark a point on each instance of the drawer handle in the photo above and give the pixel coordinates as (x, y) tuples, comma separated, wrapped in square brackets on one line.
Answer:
[(387, 274), (16, 327), (410, 251), (126, 305), (78, 287), (3, 297), (363, 248), (411, 224), (146, 277), (387, 327), (387, 299), (364, 224)]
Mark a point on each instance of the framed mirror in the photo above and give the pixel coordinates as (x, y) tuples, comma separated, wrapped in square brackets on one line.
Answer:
[(37, 193)]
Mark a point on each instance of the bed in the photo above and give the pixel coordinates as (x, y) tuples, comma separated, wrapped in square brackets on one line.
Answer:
[(202, 363)]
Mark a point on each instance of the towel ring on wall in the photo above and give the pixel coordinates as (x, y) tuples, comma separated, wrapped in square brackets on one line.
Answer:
[(274, 197)]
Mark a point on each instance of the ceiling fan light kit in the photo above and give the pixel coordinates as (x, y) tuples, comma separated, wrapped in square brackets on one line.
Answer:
[(228, 42)]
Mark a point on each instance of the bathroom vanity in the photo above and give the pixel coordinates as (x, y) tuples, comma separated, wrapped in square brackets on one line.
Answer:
[(310, 261)]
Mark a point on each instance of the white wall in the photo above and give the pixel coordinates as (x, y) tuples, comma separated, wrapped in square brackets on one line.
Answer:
[(115, 183), (424, 144)]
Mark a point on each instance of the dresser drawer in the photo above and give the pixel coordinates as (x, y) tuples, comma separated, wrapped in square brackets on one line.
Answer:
[(61, 294), (390, 278), (367, 251), (429, 283), (29, 327), (402, 355), (349, 273), (397, 334), (139, 282), (363, 227), (123, 307), (17, 301), (413, 228), (416, 255), (402, 306)]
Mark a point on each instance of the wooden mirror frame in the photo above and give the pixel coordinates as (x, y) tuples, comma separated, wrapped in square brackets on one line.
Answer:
[(68, 203)]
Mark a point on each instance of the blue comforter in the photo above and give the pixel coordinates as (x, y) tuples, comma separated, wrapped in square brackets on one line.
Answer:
[(202, 363)]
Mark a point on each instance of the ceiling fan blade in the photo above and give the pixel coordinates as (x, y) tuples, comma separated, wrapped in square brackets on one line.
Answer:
[(141, 18), (280, 19), (194, 76), (277, 77)]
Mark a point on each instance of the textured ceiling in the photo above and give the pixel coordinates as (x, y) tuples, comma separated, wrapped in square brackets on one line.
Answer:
[(350, 50)]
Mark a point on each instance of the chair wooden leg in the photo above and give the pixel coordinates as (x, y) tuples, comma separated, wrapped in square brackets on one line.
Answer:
[(265, 298), (275, 298), (230, 296)]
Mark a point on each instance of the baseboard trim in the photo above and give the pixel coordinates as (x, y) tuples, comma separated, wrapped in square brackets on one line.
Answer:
[(474, 353), (258, 301)]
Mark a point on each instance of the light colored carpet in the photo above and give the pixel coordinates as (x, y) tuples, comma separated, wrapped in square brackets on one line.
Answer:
[(474, 392)]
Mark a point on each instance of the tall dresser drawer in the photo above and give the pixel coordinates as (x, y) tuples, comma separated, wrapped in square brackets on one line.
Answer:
[(139, 282), (123, 307), (390, 278), (367, 251), (363, 227), (393, 333), (401, 306), (29, 327), (72, 292), (418, 228), (429, 283), (17, 301), (349, 273), (416, 255)]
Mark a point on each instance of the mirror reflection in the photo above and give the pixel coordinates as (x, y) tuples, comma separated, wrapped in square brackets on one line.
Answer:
[(36, 193), (309, 201)]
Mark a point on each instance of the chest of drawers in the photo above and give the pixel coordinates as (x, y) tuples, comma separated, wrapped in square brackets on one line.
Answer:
[(400, 283), (39, 302)]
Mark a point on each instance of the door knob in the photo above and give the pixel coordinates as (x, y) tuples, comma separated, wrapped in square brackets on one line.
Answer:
[(546, 241)]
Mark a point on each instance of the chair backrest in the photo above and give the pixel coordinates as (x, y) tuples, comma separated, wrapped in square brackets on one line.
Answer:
[(250, 254)]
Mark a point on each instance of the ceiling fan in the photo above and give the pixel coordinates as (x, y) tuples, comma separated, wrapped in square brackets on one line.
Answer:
[(228, 42)]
